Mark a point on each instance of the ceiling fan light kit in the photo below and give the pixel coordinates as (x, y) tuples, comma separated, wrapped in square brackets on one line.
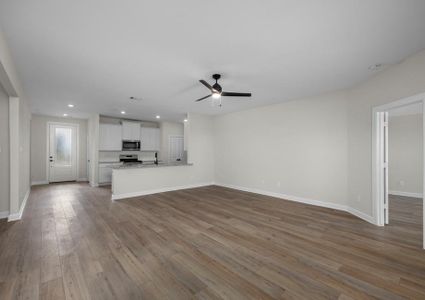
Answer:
[(217, 91)]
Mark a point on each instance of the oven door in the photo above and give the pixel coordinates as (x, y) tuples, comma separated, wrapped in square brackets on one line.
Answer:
[(130, 145)]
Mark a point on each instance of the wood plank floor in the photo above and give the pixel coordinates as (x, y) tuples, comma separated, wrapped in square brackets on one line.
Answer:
[(205, 243)]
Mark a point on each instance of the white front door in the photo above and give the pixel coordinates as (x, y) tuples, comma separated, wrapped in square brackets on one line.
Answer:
[(62, 152), (176, 148)]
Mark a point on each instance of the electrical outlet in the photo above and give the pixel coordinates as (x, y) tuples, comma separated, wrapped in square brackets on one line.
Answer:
[(402, 183), (359, 198), (278, 184)]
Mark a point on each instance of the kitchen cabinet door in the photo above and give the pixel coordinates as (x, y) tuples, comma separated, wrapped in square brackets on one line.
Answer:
[(145, 139), (105, 174), (149, 139), (130, 131), (110, 137), (156, 139)]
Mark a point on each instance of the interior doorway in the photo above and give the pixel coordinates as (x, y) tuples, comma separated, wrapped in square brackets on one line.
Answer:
[(176, 151), (62, 161), (405, 172), (380, 163)]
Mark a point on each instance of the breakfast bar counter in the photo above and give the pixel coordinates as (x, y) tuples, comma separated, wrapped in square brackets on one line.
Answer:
[(132, 180), (152, 165)]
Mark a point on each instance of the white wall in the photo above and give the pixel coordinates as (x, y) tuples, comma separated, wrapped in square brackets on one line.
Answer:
[(24, 151), (200, 130), (168, 129), (39, 151), (405, 145), (297, 148), (304, 144), (4, 153), (93, 149), (394, 83), (19, 132)]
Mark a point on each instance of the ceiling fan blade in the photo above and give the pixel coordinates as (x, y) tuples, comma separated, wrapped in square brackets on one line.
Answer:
[(206, 84), (233, 94), (213, 90), (203, 98)]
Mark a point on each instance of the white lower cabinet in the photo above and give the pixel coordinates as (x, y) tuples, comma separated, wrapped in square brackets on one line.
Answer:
[(105, 172)]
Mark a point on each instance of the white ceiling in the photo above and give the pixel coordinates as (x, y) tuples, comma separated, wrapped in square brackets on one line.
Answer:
[(97, 53)]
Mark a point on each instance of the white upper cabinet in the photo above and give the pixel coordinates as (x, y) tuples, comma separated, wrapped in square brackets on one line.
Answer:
[(130, 131), (110, 137), (149, 139)]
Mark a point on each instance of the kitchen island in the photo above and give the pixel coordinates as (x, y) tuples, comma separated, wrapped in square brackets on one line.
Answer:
[(132, 180)]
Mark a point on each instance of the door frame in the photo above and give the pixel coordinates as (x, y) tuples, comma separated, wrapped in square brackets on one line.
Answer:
[(77, 155), (169, 143), (378, 192)]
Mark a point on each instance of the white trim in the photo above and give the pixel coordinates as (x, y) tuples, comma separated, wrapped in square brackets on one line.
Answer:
[(286, 197), (77, 142), (161, 190), (405, 194), (4, 214), (336, 206), (17, 216), (377, 176), (42, 182), (14, 152), (361, 215)]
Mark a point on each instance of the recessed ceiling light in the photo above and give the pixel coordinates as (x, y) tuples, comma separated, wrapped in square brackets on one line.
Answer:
[(157, 117), (71, 105), (123, 112), (185, 120), (65, 115)]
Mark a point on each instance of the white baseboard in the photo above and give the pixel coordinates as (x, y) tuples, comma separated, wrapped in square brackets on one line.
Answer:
[(4, 214), (161, 190), (39, 182), (287, 197), (47, 182), (361, 215), (405, 194), (18, 215), (341, 207)]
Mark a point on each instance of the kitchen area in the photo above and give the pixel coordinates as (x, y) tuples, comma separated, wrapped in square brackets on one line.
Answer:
[(125, 143), (138, 157)]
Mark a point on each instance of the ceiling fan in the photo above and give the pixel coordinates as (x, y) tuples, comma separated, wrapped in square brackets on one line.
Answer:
[(217, 92)]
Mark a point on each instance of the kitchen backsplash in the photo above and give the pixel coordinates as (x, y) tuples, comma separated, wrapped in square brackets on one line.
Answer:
[(114, 156)]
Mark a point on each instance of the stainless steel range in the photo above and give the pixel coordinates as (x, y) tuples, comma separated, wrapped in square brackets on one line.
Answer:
[(130, 159)]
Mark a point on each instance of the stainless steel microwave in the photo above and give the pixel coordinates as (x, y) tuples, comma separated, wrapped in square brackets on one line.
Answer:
[(130, 145)]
